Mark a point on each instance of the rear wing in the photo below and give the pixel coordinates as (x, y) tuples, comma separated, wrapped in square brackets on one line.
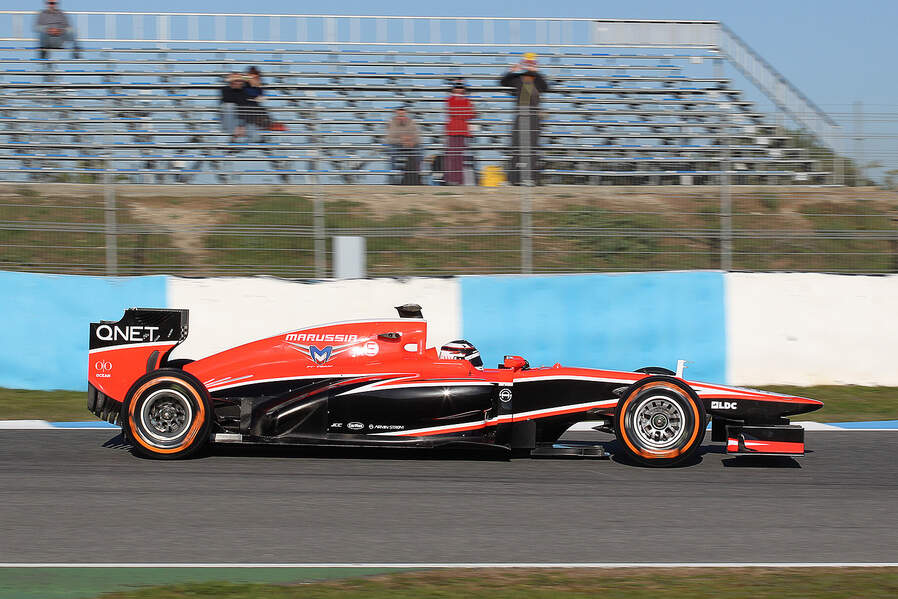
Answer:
[(122, 351)]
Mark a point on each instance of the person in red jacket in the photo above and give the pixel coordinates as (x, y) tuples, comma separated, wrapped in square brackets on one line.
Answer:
[(461, 110)]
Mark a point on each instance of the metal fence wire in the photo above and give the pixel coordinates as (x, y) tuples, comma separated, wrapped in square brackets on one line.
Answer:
[(418, 230)]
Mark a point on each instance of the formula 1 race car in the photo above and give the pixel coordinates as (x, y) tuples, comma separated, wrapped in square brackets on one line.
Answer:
[(375, 383)]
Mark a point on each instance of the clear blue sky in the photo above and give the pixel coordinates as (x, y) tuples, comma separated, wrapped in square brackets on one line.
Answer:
[(835, 52)]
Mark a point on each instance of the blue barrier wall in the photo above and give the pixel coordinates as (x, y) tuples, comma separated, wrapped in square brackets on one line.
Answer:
[(45, 323), (614, 321), (607, 321)]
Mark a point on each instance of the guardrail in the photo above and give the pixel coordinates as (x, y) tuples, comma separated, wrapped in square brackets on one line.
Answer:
[(291, 29)]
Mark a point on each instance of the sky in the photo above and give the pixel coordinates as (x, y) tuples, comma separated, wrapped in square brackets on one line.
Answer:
[(835, 52)]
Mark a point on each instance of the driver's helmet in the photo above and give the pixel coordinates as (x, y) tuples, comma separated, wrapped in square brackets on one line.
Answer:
[(461, 350)]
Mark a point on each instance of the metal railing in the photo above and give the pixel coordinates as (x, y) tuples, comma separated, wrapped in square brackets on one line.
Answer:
[(163, 28)]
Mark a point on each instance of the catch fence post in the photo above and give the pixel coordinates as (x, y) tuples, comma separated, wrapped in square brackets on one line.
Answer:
[(726, 203), (318, 226), (111, 225), (525, 179)]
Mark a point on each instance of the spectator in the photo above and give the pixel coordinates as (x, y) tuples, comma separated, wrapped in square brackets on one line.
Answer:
[(254, 113), (53, 30), (461, 110), (529, 86), (233, 100), (403, 138)]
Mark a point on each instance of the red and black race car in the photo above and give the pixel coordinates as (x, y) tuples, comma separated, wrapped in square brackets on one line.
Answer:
[(375, 383)]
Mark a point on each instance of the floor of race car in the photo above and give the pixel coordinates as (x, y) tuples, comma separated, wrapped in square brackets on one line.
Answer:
[(80, 496)]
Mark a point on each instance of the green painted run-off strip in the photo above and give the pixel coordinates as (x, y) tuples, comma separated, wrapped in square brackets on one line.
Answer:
[(81, 583)]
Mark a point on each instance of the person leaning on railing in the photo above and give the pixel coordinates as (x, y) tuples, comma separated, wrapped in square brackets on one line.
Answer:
[(403, 139), (53, 31)]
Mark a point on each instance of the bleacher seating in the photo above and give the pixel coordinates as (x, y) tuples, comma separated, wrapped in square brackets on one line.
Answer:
[(150, 115)]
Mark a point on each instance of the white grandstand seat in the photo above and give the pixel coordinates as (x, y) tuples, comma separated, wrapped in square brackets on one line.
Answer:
[(150, 114)]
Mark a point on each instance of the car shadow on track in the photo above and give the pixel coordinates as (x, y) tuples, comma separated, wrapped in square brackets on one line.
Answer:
[(620, 457), (748, 461), (354, 453), (482, 453)]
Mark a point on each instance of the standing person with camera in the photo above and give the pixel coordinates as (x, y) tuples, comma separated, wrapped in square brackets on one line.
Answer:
[(53, 31), (529, 85), (461, 110)]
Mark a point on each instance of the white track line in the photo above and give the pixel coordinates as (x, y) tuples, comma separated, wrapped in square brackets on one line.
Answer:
[(478, 565)]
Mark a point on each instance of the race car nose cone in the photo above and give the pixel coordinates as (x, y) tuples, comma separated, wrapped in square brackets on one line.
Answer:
[(659, 421)]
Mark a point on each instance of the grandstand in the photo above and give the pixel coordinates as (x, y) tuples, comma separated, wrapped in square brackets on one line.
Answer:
[(141, 103)]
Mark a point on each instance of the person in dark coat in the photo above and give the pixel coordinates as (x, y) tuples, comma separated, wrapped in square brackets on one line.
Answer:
[(233, 99), (529, 85)]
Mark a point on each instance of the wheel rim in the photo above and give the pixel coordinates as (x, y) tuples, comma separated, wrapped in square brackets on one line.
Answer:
[(166, 416), (658, 422)]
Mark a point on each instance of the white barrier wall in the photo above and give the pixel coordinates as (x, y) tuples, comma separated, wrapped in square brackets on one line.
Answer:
[(230, 311), (812, 329)]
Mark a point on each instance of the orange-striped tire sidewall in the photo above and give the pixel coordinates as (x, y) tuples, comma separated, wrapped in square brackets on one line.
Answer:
[(669, 453), (198, 420)]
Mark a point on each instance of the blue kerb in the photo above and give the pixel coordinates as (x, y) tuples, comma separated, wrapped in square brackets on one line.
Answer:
[(84, 424), (878, 424)]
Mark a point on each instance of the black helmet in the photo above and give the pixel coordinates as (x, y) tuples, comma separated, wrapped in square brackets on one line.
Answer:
[(461, 350)]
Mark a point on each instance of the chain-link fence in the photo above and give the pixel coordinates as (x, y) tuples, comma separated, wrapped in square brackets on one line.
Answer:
[(418, 230)]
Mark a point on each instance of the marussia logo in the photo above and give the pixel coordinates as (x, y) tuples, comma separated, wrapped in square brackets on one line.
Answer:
[(320, 356), (320, 337)]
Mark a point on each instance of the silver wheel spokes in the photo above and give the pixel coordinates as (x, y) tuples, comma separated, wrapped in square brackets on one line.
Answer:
[(659, 422), (166, 415)]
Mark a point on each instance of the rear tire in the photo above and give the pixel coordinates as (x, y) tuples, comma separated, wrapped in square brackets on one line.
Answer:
[(167, 415), (660, 422)]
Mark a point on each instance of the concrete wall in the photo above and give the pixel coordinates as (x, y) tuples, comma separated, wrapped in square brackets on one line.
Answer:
[(812, 329), (230, 311), (45, 323), (616, 321), (749, 329)]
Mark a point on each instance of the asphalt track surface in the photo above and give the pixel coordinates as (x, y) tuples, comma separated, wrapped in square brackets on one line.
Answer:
[(79, 496)]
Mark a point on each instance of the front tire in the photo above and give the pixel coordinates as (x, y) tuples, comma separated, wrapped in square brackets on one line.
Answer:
[(167, 414), (660, 422)]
